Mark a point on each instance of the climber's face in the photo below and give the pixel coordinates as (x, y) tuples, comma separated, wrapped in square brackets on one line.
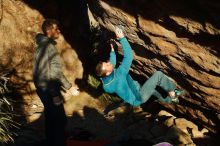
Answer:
[(53, 32)]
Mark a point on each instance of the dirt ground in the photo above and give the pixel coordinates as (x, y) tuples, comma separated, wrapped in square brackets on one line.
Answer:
[(84, 113), (87, 121)]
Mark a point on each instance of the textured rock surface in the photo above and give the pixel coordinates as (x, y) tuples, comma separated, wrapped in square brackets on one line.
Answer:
[(180, 38)]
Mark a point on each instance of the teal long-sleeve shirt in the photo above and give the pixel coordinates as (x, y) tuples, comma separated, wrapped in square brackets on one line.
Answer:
[(119, 81)]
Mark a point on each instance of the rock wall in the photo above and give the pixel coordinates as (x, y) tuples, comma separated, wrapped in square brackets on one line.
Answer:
[(180, 38)]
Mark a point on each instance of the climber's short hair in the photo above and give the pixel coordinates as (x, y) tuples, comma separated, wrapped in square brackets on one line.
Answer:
[(47, 24), (99, 70)]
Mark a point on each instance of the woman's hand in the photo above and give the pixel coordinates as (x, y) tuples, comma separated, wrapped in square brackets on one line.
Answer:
[(74, 91), (119, 33)]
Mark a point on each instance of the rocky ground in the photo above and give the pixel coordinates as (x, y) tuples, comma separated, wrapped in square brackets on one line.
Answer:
[(148, 123)]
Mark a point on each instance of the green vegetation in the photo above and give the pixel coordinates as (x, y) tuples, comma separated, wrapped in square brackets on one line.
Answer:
[(6, 121), (104, 97), (93, 82)]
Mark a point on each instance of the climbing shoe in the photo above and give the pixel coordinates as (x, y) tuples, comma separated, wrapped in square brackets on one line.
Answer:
[(175, 99), (178, 92)]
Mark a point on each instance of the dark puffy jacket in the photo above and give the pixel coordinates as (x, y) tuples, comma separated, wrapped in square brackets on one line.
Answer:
[(47, 71)]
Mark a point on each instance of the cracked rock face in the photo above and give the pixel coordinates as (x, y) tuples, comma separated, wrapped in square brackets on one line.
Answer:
[(179, 38)]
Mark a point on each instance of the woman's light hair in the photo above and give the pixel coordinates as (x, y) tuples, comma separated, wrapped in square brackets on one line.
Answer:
[(100, 70)]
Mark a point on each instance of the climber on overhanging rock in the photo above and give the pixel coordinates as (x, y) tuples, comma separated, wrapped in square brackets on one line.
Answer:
[(117, 80)]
